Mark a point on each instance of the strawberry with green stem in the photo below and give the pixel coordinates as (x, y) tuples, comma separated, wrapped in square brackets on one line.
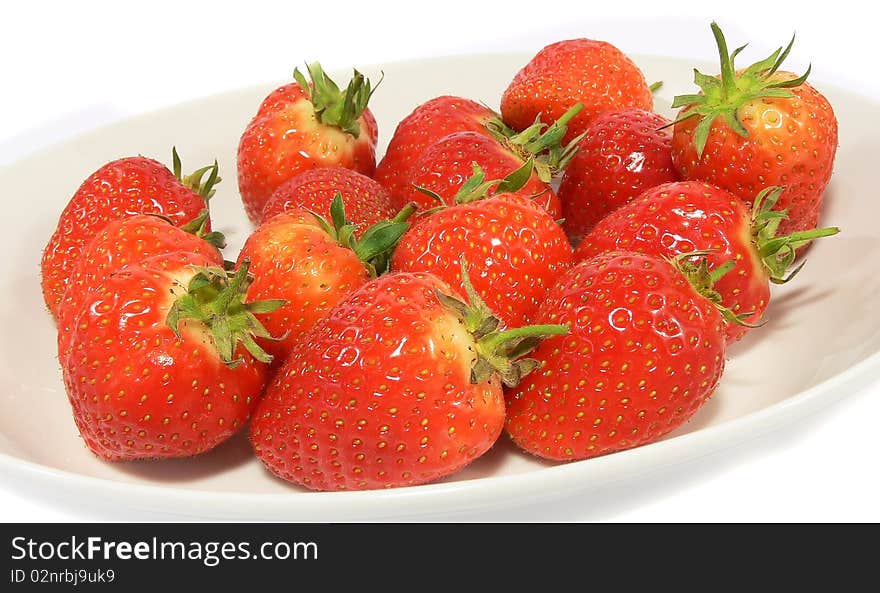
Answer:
[(682, 217), (161, 359), (121, 188), (305, 125), (755, 128), (400, 384), (129, 241), (516, 249), (447, 164), (313, 263), (428, 123)]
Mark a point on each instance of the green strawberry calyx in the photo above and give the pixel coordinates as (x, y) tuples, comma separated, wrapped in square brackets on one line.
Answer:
[(206, 188), (778, 254), (540, 141), (215, 298), (703, 281), (375, 246), (499, 351), (196, 180), (198, 226), (477, 188), (333, 106), (723, 95)]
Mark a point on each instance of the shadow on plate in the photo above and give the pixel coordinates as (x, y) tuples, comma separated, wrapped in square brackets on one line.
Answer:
[(224, 458)]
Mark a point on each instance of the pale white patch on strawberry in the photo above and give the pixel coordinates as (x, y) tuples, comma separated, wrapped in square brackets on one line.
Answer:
[(451, 340)]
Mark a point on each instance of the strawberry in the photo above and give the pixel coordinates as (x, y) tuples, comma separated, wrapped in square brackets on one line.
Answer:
[(304, 125), (682, 217), (645, 351), (366, 202), (428, 123), (123, 187), (161, 359), (129, 241), (622, 154), (515, 247), (755, 128), (312, 264), (447, 164), (399, 385), (593, 73)]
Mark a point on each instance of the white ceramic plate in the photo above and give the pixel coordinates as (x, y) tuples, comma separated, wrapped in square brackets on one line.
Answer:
[(822, 341)]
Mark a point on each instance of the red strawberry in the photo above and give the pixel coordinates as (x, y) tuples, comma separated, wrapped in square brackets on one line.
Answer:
[(444, 167), (428, 123), (161, 359), (679, 218), (645, 351), (130, 241), (303, 126), (399, 385), (622, 154), (447, 165), (757, 128), (366, 202), (593, 73), (515, 249), (312, 264), (121, 188)]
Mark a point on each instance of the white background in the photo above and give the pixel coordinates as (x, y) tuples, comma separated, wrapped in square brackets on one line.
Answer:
[(73, 66)]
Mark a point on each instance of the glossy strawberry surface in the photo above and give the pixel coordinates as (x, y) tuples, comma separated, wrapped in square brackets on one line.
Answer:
[(366, 202), (293, 258), (514, 251), (428, 123), (593, 73), (623, 154), (122, 243), (138, 390), (683, 217), (448, 164), (791, 142), (644, 352), (378, 394), (285, 138), (121, 188)]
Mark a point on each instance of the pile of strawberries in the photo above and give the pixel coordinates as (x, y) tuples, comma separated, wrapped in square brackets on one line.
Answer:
[(385, 324)]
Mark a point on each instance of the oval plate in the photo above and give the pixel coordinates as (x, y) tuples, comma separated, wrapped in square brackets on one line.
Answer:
[(822, 341)]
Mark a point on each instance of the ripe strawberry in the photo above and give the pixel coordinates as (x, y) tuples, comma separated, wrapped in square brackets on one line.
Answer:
[(161, 359), (757, 128), (312, 264), (682, 217), (303, 126), (515, 249), (444, 167), (593, 73), (428, 123), (121, 188), (645, 351), (622, 154), (366, 202), (399, 385), (130, 241)]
